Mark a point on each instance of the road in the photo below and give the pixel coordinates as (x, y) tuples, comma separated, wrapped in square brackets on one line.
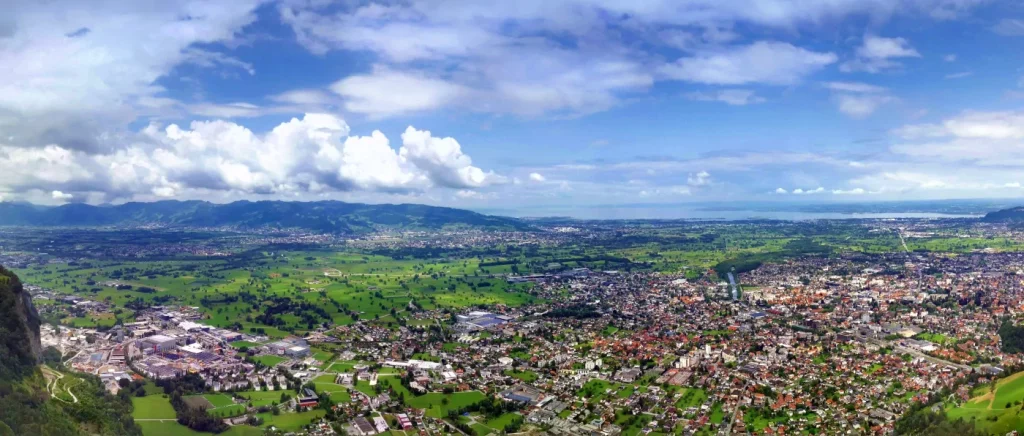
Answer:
[(936, 360), (735, 292), (735, 411), (52, 384), (916, 353), (902, 241), (73, 357)]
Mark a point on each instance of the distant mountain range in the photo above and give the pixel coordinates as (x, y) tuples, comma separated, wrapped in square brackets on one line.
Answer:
[(1011, 215), (321, 216)]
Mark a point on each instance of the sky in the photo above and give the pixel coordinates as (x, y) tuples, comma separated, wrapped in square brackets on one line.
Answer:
[(511, 105)]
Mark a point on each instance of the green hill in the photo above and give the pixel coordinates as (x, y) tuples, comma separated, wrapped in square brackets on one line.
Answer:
[(27, 407), (321, 216), (1011, 215)]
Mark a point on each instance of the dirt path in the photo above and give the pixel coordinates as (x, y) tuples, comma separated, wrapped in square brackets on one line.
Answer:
[(53, 379), (990, 396)]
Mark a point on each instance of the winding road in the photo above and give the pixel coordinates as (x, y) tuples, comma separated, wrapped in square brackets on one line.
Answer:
[(54, 378)]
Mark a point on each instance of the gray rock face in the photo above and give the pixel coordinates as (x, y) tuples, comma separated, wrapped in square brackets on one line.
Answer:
[(20, 349), (28, 314)]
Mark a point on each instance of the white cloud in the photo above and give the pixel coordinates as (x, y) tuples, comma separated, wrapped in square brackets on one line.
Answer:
[(702, 178), (860, 106), (309, 155), (84, 68), (213, 59), (856, 87), (537, 177), (385, 92), (475, 195), (781, 191), (666, 191), (60, 196), (443, 160), (876, 54), (858, 100), (877, 47), (854, 191), (949, 58), (566, 58), (1009, 27), (767, 62), (970, 124), (310, 97), (818, 190), (227, 110), (734, 97), (959, 75)]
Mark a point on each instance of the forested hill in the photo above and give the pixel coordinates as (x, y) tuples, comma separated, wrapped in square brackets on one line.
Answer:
[(1011, 215), (322, 216), (27, 407)]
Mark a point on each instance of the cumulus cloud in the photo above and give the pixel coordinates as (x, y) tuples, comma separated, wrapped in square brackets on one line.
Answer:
[(537, 177), (443, 161), (309, 155), (878, 54), (781, 191), (767, 62), (734, 97)]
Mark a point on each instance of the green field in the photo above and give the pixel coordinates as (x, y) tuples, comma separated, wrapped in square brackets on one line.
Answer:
[(291, 421), (526, 376), (166, 428), (432, 402), (344, 366), (247, 344), (269, 360), (153, 407), (371, 285), (692, 398), (989, 409), (265, 398), (325, 383), (219, 400)]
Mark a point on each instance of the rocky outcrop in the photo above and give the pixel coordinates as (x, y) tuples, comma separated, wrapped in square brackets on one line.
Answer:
[(20, 350)]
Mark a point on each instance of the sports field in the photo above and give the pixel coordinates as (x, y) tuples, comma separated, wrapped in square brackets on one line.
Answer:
[(153, 407)]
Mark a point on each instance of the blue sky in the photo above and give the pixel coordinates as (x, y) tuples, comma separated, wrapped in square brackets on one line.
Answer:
[(520, 105)]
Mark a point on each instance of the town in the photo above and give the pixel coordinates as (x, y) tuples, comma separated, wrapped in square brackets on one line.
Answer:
[(846, 343)]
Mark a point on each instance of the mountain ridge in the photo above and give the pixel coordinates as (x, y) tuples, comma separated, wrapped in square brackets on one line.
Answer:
[(321, 216), (1010, 215)]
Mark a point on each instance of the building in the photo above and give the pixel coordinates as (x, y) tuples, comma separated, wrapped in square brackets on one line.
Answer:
[(159, 343), (308, 398), (480, 320), (292, 346)]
